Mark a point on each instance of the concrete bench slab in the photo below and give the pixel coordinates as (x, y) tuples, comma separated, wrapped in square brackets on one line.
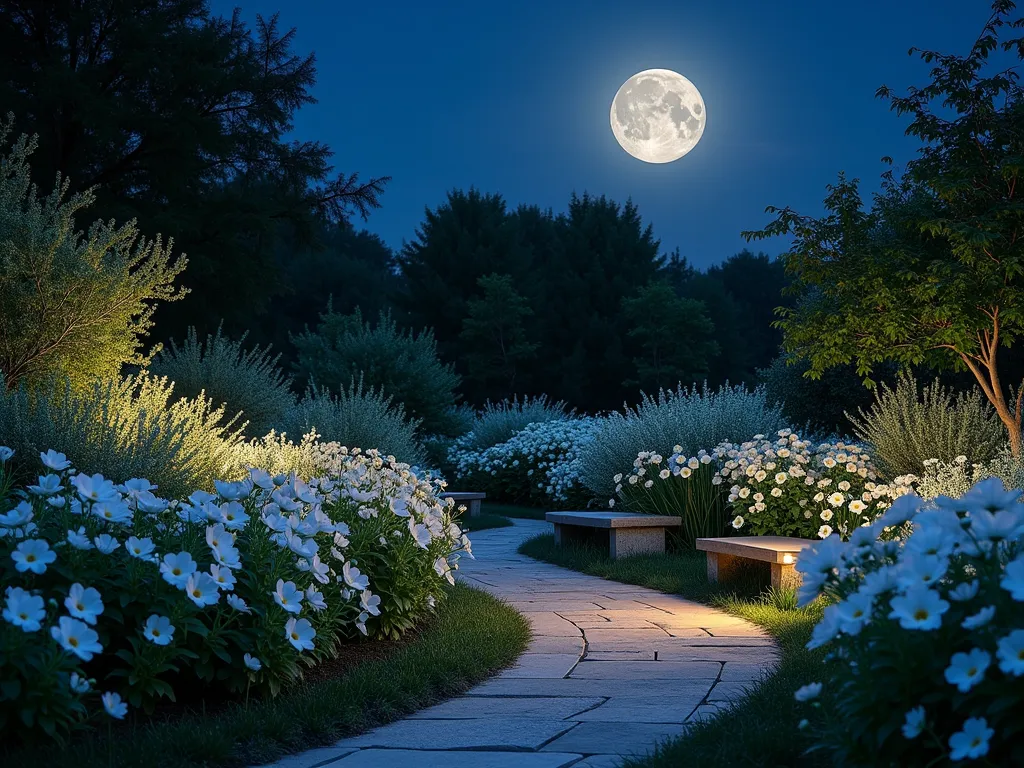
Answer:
[(629, 533), (725, 556), (472, 499)]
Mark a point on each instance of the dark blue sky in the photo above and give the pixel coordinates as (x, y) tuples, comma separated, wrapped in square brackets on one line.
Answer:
[(513, 97)]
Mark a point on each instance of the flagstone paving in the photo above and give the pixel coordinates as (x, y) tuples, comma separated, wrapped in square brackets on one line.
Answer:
[(612, 670)]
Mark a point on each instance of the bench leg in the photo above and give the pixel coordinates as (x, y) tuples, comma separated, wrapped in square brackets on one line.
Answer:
[(474, 508), (623, 542), (558, 535), (722, 567), (785, 576)]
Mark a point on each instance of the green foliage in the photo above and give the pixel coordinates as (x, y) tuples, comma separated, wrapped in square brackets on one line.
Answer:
[(674, 337), (71, 304), (403, 364), (183, 118), (497, 422), (358, 417), (246, 381), (820, 403), (133, 426), (908, 424), (933, 271), (494, 335), (691, 418)]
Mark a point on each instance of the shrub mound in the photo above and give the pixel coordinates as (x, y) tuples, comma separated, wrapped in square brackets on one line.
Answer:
[(116, 597)]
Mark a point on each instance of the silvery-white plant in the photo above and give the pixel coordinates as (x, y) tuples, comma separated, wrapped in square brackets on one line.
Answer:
[(924, 633)]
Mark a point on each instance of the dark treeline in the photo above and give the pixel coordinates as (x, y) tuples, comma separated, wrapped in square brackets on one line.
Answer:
[(180, 119)]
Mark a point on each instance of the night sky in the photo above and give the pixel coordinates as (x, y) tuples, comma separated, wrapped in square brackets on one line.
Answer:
[(513, 97)]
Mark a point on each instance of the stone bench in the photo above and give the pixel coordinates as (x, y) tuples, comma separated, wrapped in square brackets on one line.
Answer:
[(471, 499), (628, 533), (726, 555)]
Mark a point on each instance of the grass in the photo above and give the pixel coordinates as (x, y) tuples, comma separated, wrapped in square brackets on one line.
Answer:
[(761, 729), (483, 521), (512, 510), (472, 637)]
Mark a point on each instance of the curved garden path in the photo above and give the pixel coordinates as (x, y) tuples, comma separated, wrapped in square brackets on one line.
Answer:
[(612, 669)]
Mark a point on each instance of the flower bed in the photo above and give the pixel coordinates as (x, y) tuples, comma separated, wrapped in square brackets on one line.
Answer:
[(926, 635), (116, 597), (538, 465)]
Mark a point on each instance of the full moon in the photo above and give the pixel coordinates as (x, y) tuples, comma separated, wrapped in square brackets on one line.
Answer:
[(658, 116)]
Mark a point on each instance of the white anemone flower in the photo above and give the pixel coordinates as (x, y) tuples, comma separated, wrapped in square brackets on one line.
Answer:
[(158, 630), (33, 555), (84, 603), (288, 596), (300, 634), (76, 637), (24, 610)]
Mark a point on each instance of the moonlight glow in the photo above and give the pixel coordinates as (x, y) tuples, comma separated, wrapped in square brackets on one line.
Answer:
[(658, 116)]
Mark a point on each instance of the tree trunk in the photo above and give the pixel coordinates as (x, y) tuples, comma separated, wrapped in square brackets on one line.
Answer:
[(988, 378)]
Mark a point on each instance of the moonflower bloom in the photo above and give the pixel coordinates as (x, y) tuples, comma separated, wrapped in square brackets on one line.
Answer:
[(920, 608), (972, 741), (158, 630), (1011, 653), (84, 603), (76, 637), (370, 603), (288, 596), (79, 540), (914, 723), (251, 662), (114, 706), (140, 548), (55, 461), (965, 670), (24, 610), (300, 634), (106, 543), (176, 569), (238, 604), (33, 555), (1013, 578), (202, 589), (808, 692)]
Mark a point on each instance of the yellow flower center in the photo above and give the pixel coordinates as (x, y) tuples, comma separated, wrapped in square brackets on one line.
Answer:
[(30, 558), (176, 571), (972, 671), (156, 633), (920, 614), (295, 635), (73, 641), (79, 606), (197, 593)]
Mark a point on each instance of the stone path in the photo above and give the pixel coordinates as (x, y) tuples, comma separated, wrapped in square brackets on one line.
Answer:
[(612, 669)]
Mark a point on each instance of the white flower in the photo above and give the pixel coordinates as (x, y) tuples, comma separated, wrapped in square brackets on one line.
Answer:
[(158, 630), (251, 662), (980, 619), (202, 589), (808, 692), (55, 461), (78, 539), (972, 741), (737, 522), (140, 548), (288, 596), (354, 578), (827, 515), (33, 555), (370, 603), (84, 603), (300, 634), (965, 670), (79, 684), (920, 608), (238, 604), (315, 599), (17, 517), (106, 543), (1013, 578), (114, 706), (1010, 652), (176, 569), (914, 722), (47, 486), (76, 637), (837, 499), (855, 612), (224, 578), (965, 591), (23, 609), (112, 510), (824, 532)]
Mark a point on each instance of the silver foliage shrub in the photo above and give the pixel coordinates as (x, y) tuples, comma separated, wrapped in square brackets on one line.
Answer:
[(908, 425), (123, 428), (358, 417), (243, 380), (690, 418), (498, 422)]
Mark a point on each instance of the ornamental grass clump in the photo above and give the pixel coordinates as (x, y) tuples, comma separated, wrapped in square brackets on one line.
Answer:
[(689, 488), (539, 465), (116, 598), (789, 487), (925, 636), (691, 418), (498, 422)]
